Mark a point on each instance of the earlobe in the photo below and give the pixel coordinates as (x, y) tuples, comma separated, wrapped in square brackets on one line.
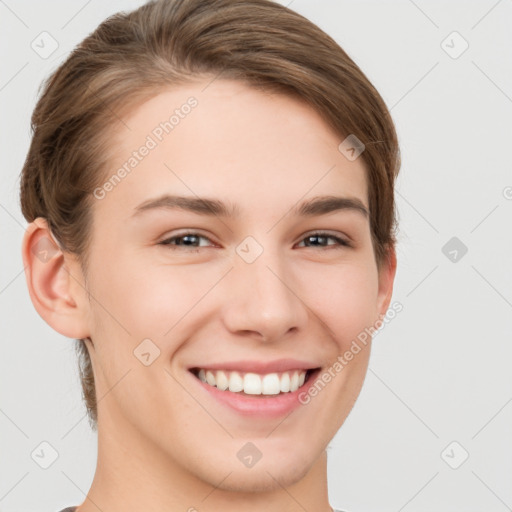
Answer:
[(49, 281)]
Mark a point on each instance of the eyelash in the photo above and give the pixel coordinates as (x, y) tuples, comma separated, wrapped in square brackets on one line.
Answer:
[(340, 242)]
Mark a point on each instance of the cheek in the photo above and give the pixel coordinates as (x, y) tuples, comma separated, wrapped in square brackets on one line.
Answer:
[(146, 300), (344, 298), (167, 298)]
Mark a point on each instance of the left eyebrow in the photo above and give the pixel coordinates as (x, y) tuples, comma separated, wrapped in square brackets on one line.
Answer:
[(327, 204), (320, 205)]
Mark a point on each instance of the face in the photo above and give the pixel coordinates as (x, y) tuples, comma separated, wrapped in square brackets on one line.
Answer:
[(265, 287)]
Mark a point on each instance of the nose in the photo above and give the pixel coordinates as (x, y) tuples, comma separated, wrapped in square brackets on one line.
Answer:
[(264, 299)]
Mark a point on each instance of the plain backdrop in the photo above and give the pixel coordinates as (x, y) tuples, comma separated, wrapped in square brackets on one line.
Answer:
[(431, 430)]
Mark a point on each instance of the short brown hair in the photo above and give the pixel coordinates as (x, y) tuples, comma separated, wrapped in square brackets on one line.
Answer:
[(133, 56)]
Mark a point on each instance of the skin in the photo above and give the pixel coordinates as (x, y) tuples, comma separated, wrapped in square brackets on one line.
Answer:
[(162, 444)]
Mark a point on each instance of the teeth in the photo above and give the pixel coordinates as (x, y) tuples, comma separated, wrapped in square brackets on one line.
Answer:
[(221, 381), (270, 384), (210, 378), (236, 382), (285, 382), (253, 383)]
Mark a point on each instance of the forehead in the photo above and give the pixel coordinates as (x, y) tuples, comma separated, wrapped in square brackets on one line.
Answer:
[(226, 139)]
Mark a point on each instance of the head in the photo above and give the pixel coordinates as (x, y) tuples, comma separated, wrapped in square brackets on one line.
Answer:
[(249, 104)]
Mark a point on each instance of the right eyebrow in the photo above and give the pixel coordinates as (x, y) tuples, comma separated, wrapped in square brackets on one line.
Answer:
[(199, 205)]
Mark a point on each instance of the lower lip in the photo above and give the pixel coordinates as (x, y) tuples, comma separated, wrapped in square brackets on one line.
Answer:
[(266, 406)]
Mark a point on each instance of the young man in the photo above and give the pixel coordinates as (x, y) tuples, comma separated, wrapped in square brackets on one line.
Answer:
[(228, 257)]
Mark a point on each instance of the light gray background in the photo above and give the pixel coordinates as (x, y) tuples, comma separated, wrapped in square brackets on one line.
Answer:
[(439, 372)]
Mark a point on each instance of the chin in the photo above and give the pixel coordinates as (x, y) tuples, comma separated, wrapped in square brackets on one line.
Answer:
[(270, 479), (265, 476)]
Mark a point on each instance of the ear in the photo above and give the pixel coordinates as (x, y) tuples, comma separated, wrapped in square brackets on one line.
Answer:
[(387, 274), (55, 282)]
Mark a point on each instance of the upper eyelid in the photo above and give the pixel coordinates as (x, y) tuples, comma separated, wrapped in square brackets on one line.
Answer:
[(344, 238), (185, 233)]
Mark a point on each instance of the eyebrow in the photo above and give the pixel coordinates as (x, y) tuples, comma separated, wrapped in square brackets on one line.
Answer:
[(320, 205)]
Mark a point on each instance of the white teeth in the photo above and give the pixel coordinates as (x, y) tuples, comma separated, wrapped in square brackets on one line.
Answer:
[(285, 382), (210, 378), (236, 382), (294, 382), (222, 381), (271, 384), (253, 383)]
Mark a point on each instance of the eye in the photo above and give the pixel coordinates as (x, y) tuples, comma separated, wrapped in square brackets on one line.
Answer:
[(191, 239), (323, 237), (188, 239)]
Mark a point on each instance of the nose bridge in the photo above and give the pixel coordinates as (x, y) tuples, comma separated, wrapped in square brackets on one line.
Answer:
[(263, 297)]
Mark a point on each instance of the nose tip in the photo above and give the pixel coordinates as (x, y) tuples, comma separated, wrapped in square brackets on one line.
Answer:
[(263, 302)]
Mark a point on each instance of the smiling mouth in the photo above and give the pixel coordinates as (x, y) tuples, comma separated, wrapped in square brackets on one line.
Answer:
[(254, 384)]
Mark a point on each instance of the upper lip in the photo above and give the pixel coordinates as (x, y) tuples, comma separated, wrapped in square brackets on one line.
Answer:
[(277, 366)]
